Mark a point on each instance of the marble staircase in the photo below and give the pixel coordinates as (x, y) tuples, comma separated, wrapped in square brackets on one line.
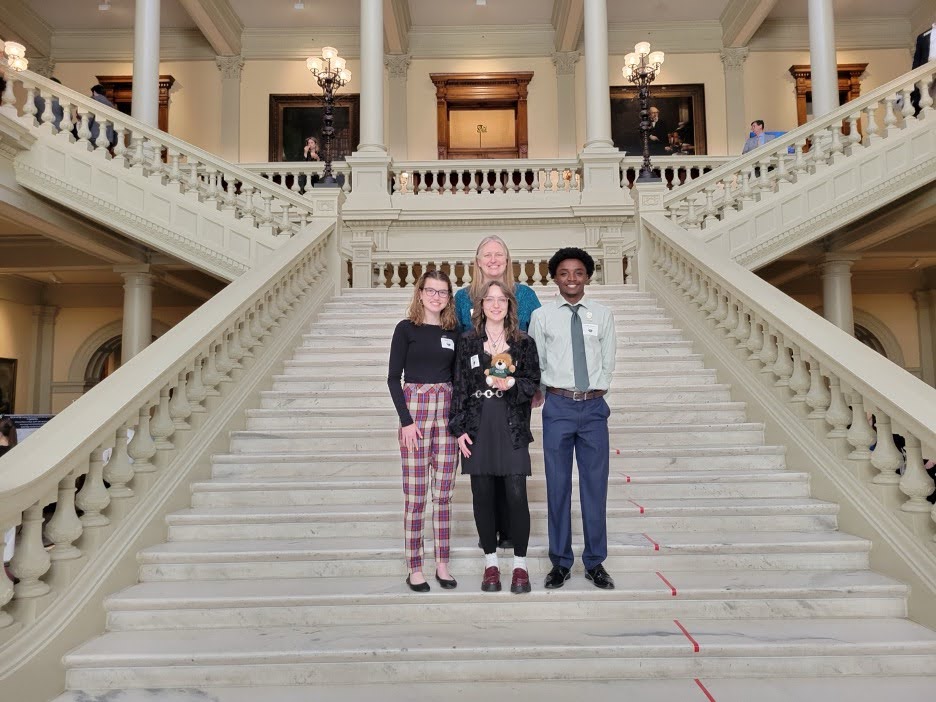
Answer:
[(284, 579)]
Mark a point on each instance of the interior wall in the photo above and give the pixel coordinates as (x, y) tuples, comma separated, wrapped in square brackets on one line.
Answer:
[(770, 91), (542, 121), (194, 99), (18, 340)]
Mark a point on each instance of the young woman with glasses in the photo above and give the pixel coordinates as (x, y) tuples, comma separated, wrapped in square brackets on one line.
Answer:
[(422, 352), (492, 423)]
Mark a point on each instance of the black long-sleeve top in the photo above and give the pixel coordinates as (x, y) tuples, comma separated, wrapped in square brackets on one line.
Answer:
[(465, 413), (420, 354)]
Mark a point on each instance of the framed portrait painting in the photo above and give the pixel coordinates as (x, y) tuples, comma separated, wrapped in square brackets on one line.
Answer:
[(7, 385), (295, 118), (677, 115)]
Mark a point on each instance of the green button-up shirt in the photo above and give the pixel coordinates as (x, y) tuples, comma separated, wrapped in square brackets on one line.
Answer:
[(550, 327)]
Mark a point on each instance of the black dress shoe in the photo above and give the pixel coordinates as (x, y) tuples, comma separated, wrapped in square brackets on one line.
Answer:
[(420, 587), (446, 584), (600, 577), (557, 577)]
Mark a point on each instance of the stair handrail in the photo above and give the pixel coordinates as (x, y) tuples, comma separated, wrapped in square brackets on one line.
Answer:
[(229, 179), (191, 376), (824, 368), (739, 177)]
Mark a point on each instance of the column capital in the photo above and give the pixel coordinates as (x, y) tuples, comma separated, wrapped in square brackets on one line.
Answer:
[(46, 313), (136, 273), (397, 65), (837, 263), (230, 66), (733, 58), (565, 62)]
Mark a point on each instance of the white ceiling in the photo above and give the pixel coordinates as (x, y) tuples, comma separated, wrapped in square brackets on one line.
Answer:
[(467, 13), (69, 15), (792, 9), (661, 11), (282, 14)]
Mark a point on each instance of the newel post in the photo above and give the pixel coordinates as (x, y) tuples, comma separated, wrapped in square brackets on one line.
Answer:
[(648, 199), (363, 239)]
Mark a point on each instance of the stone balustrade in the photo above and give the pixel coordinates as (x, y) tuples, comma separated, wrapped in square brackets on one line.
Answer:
[(300, 177), (846, 401), (809, 150), (138, 433)]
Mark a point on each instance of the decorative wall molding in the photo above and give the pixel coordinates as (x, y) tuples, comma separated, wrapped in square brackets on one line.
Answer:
[(397, 65), (299, 43), (850, 33), (117, 45), (671, 37), (481, 42), (565, 62), (733, 59), (230, 66)]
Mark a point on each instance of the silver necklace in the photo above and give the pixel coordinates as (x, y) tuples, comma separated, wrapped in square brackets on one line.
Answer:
[(495, 343)]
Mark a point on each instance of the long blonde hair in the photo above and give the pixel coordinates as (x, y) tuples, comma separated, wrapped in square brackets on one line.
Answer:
[(416, 311), (511, 322), (474, 290)]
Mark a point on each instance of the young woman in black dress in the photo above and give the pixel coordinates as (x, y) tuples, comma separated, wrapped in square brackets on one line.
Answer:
[(492, 425)]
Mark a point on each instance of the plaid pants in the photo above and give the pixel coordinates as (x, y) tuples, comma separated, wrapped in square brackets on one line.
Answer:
[(433, 462)]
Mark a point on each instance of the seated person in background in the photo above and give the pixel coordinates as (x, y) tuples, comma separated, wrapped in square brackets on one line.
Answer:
[(758, 137)]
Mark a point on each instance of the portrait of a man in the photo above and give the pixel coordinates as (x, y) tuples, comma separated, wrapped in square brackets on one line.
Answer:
[(296, 123), (676, 114)]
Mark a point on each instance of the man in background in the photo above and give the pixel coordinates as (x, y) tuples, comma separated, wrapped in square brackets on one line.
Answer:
[(759, 138), (924, 53)]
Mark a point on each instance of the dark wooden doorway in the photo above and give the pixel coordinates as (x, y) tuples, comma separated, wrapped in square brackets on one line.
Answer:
[(119, 89)]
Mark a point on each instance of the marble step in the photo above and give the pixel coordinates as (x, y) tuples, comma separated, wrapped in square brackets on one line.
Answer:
[(470, 651), (635, 349), (386, 520), (623, 461), (386, 600), (338, 342), (620, 381), (335, 367), (627, 553), (377, 439), (856, 688), (393, 313), (241, 492), (342, 417), (353, 331), (687, 393)]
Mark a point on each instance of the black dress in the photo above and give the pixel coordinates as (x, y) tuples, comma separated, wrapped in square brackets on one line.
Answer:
[(493, 452)]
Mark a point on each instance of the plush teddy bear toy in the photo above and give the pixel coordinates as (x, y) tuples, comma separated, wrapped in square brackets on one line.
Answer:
[(502, 366)]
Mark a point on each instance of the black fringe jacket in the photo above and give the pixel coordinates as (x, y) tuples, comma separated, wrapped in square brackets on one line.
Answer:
[(465, 412)]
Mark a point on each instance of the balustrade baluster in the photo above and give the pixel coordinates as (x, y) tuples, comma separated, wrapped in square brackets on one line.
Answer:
[(755, 343), (179, 409), (161, 426), (156, 166), (838, 416), (84, 128), (211, 376), (395, 275), (783, 367), (48, 116), (768, 354), (29, 107), (885, 456), (102, 143), (907, 110), (30, 559), (174, 174), (915, 482), (266, 216), (711, 301), (93, 499), (890, 119), (8, 100), (742, 332), (191, 184), (925, 86), (410, 276), (223, 361), (435, 183), (142, 447), (118, 471), (64, 528), (818, 395), (196, 390), (860, 434), (730, 320), (120, 148), (703, 293), (466, 276), (247, 340), (854, 133), (422, 187), (871, 125)]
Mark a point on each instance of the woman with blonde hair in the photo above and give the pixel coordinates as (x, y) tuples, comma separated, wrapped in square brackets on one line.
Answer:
[(491, 418), (422, 352), (493, 262)]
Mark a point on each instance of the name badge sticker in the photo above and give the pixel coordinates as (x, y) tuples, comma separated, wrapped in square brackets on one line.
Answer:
[(475, 361), (448, 343), (590, 329)]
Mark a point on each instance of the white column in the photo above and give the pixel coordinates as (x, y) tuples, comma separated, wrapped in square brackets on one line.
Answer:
[(372, 64), (145, 105), (823, 67), (837, 290), (45, 344), (137, 310), (597, 95), (565, 62), (926, 322), (397, 69), (735, 116), (230, 67)]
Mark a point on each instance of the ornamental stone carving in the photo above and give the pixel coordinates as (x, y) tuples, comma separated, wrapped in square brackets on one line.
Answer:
[(45, 67), (565, 61), (397, 65), (733, 58), (230, 66)]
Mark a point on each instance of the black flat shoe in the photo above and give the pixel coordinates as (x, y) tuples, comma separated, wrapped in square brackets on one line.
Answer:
[(421, 587), (446, 584), (557, 577), (600, 577)]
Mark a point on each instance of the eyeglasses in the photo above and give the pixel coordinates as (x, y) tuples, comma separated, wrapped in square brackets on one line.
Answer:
[(498, 255), (432, 292), (498, 300)]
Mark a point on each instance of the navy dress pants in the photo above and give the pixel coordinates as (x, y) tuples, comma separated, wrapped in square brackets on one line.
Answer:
[(582, 428)]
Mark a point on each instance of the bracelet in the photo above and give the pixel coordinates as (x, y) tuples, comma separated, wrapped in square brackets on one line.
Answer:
[(511, 382)]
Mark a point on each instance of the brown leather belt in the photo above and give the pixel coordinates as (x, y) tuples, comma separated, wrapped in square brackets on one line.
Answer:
[(578, 395)]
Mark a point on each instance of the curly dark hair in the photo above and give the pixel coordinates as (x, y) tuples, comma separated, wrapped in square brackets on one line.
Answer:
[(571, 252)]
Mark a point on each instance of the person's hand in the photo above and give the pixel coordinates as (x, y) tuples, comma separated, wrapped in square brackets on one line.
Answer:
[(464, 441), (410, 436), (654, 137), (500, 384), (538, 399)]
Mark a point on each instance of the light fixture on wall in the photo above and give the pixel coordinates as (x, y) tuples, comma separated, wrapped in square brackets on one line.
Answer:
[(330, 74), (642, 67), (14, 55)]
